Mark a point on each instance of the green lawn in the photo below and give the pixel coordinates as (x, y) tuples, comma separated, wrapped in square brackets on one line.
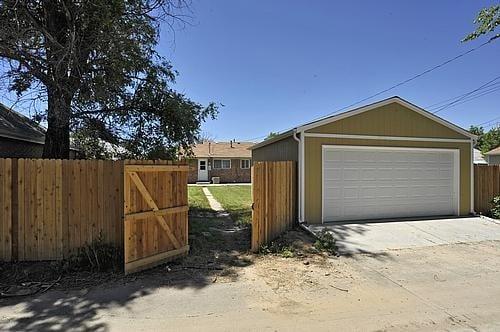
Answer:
[(237, 200), (198, 202)]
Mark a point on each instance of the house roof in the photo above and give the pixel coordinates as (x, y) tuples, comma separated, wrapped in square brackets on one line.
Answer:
[(14, 125), (478, 157), (359, 110), (223, 150), (494, 152)]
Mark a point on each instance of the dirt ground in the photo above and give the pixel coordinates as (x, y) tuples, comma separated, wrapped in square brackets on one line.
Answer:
[(222, 287)]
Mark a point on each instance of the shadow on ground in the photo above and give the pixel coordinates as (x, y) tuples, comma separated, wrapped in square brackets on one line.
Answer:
[(218, 249), (343, 233)]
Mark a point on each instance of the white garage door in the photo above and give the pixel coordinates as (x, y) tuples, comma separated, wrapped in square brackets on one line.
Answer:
[(374, 182)]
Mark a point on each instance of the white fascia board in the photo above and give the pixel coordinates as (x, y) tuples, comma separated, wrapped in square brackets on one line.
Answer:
[(389, 138)]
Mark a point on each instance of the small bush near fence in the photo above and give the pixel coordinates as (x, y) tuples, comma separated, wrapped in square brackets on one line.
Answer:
[(98, 256), (325, 242)]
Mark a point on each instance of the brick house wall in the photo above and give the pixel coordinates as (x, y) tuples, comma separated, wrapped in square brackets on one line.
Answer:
[(235, 174), (193, 171)]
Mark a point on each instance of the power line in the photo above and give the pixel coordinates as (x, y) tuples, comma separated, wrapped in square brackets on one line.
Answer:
[(412, 78), (465, 95), (494, 124), (493, 86), (467, 98), (486, 122), (479, 95), (393, 86)]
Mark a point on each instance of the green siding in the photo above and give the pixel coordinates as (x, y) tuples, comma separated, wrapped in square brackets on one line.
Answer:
[(282, 150), (389, 120)]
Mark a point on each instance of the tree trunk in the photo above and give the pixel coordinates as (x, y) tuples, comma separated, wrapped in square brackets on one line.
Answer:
[(57, 136)]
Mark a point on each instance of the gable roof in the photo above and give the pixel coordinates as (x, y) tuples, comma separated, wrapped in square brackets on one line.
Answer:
[(494, 152), (14, 125), (362, 109), (222, 150)]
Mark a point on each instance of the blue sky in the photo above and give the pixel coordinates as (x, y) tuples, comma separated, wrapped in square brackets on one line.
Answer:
[(275, 64)]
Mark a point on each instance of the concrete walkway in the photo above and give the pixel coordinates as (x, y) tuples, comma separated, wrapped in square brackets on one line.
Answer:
[(373, 237), (214, 204)]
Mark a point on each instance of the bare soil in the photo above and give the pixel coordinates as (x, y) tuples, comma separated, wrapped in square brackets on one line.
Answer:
[(219, 252)]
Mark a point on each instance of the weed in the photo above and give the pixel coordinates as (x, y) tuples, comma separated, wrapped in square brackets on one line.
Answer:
[(278, 247), (98, 256), (325, 242)]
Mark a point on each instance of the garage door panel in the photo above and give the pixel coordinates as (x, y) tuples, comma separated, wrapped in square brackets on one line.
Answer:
[(368, 184)]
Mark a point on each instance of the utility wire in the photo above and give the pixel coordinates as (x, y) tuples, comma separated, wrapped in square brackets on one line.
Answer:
[(473, 97), (489, 121), (492, 86), (465, 95), (494, 124), (393, 86), (411, 78)]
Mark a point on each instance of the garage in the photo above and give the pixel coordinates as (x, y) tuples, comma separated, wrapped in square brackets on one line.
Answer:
[(386, 160), (382, 182)]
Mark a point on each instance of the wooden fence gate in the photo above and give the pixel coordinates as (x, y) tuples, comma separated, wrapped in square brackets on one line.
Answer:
[(274, 200), (155, 215)]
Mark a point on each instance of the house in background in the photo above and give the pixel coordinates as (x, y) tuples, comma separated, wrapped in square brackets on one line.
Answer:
[(478, 158), (389, 159), (493, 156), (230, 162), (21, 137)]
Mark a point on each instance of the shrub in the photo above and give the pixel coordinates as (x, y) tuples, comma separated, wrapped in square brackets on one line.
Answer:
[(495, 207), (325, 242)]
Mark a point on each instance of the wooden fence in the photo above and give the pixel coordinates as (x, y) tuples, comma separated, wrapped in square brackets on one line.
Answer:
[(156, 214), (274, 200), (486, 186), (50, 208)]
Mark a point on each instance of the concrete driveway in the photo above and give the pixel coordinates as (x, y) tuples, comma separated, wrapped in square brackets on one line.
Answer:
[(372, 237)]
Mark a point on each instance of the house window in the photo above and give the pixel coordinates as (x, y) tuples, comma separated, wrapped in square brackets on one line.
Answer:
[(222, 163), (245, 163)]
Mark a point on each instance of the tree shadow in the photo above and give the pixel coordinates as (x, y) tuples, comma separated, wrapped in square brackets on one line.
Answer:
[(218, 250), (343, 235)]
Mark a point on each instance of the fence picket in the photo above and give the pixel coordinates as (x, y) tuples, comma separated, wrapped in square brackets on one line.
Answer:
[(53, 207), (486, 186), (273, 193)]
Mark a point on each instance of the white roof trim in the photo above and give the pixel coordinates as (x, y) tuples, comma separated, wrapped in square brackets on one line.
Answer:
[(383, 103), (280, 137)]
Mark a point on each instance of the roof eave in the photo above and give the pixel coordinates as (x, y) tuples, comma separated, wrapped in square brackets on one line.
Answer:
[(272, 140)]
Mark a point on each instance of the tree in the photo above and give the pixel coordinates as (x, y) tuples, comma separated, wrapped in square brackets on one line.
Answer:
[(486, 23), (487, 141), (271, 135), (95, 67), (205, 136)]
